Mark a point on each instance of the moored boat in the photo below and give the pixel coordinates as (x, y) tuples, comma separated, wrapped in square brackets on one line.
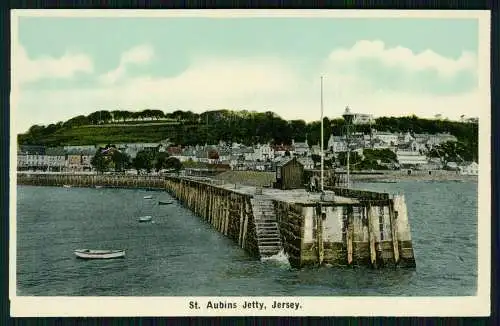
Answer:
[(66, 186), (165, 202), (148, 197), (146, 218), (99, 254)]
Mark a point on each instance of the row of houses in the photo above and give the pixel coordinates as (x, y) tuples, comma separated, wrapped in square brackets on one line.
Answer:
[(409, 148), (388, 140), (53, 159)]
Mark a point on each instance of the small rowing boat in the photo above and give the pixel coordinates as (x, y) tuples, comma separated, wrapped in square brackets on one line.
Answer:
[(165, 202), (66, 186), (99, 254), (98, 187), (148, 197), (146, 218)]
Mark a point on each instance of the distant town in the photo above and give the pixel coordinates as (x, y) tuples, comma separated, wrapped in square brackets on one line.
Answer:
[(369, 150)]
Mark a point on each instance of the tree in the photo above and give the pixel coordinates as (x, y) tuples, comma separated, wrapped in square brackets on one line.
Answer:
[(316, 158), (354, 158), (161, 160), (451, 151), (99, 162), (157, 114), (143, 161), (173, 163), (121, 160), (116, 114)]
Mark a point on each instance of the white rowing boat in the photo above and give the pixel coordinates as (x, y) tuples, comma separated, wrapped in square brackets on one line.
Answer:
[(66, 186), (99, 254), (148, 197), (146, 218)]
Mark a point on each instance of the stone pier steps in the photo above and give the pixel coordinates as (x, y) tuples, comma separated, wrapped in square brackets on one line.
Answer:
[(266, 227)]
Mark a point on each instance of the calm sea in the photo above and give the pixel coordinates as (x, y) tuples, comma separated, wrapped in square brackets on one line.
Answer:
[(180, 255)]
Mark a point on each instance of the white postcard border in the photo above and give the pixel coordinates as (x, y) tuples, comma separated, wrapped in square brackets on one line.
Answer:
[(478, 305)]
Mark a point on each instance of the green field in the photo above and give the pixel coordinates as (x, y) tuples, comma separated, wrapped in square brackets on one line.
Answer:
[(88, 135)]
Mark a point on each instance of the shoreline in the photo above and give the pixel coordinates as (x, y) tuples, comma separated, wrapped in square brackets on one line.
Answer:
[(255, 178), (395, 177)]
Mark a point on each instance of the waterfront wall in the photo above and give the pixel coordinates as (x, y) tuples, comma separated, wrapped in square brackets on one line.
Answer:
[(229, 212), (372, 230)]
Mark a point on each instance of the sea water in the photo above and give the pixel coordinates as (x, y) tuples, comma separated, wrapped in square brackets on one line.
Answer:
[(181, 255)]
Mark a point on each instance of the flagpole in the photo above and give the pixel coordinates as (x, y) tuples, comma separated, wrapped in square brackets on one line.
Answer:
[(322, 151)]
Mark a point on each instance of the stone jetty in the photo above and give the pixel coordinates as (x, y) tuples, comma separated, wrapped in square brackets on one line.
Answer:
[(342, 227)]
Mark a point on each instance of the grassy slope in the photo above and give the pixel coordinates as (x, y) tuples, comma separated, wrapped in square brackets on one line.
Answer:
[(113, 134)]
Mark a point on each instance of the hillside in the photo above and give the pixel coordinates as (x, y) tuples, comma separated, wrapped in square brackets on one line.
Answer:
[(188, 128)]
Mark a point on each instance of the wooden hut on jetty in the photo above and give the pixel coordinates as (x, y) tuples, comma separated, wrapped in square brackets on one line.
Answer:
[(289, 174)]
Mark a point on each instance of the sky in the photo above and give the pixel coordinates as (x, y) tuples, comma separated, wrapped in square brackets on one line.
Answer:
[(67, 66)]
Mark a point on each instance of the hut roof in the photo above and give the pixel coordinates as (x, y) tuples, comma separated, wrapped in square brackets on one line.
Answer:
[(285, 161)]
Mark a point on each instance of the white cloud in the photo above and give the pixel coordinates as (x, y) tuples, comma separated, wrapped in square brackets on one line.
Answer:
[(259, 84), (404, 58), (138, 55), (26, 69)]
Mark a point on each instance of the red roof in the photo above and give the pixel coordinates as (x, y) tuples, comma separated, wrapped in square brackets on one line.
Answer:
[(282, 147), (174, 150)]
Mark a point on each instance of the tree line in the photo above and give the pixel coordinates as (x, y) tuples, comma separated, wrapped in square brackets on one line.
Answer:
[(107, 159), (249, 127)]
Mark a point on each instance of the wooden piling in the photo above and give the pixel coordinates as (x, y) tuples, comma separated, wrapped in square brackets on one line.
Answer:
[(350, 234), (319, 234), (371, 235), (394, 233)]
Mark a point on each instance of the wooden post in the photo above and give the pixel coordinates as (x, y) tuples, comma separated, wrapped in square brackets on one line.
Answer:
[(228, 215), (242, 217), (350, 234), (319, 234), (394, 234), (371, 235), (245, 222)]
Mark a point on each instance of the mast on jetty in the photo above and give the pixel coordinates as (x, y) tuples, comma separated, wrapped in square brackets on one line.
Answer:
[(348, 118), (322, 147)]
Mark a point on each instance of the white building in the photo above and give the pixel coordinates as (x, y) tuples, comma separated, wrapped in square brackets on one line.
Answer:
[(362, 119), (307, 162), (387, 137), (438, 139), (56, 159), (471, 169), (411, 158), (300, 149), (337, 144), (78, 148), (131, 149), (405, 138), (263, 152)]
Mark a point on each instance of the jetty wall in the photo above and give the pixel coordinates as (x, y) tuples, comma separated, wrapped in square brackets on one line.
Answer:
[(229, 212), (373, 229), (372, 232)]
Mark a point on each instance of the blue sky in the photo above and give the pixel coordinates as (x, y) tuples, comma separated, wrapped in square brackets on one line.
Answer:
[(71, 66)]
